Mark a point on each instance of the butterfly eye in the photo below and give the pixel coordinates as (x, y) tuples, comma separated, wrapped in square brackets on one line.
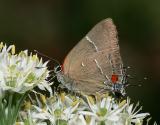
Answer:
[(58, 69)]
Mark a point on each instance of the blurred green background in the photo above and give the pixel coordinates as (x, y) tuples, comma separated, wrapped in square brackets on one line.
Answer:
[(53, 27)]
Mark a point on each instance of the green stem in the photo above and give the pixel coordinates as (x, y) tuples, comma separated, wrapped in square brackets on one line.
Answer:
[(10, 106), (18, 105), (10, 110)]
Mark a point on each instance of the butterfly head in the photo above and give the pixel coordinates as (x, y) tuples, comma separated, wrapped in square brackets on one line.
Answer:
[(58, 69)]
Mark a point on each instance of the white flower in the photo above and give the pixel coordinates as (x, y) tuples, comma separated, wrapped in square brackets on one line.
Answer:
[(64, 109), (77, 120), (20, 72), (132, 115), (104, 111), (57, 109)]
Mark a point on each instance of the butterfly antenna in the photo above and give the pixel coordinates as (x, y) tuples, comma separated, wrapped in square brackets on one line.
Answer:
[(41, 54)]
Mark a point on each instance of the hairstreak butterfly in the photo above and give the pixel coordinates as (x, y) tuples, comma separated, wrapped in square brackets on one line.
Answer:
[(94, 64)]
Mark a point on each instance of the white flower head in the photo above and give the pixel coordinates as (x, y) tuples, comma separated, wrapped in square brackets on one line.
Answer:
[(108, 111), (103, 110), (132, 115), (20, 72), (57, 109)]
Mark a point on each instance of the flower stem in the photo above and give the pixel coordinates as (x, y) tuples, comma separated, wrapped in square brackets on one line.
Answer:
[(10, 106)]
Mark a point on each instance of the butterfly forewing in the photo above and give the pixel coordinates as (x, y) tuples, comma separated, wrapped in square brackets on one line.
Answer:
[(94, 59)]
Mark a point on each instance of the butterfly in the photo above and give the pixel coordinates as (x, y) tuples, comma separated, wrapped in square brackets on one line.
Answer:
[(94, 64)]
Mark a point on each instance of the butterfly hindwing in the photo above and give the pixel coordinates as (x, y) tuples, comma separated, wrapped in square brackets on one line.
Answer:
[(90, 63)]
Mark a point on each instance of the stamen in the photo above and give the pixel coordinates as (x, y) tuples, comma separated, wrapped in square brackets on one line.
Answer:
[(1, 46), (13, 49)]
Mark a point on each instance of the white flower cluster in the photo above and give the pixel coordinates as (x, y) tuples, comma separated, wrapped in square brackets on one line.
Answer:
[(20, 72), (68, 110)]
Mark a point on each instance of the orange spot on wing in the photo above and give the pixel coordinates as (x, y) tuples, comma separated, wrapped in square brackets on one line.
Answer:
[(62, 67), (114, 78), (64, 61)]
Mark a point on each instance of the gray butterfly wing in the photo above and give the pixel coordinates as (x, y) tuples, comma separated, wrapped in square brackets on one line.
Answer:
[(94, 59)]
